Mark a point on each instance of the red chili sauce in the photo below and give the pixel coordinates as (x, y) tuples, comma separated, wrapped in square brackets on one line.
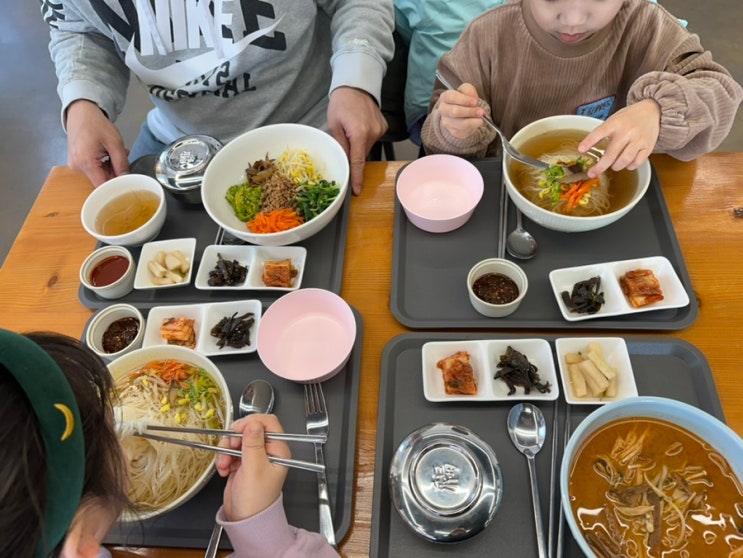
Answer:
[(108, 270), (495, 288)]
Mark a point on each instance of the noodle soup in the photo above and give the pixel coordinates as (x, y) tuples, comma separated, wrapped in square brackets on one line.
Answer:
[(610, 192), (646, 487), (591, 205), (167, 386)]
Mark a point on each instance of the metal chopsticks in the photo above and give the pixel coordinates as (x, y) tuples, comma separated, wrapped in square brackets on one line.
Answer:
[(553, 475), (294, 463), (560, 522), (314, 439), (501, 248)]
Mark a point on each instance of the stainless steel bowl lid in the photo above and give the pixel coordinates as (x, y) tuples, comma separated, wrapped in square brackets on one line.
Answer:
[(445, 482), (181, 165)]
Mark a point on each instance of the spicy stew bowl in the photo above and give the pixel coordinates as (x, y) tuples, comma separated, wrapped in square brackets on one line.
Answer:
[(554, 126), (229, 164), (669, 455)]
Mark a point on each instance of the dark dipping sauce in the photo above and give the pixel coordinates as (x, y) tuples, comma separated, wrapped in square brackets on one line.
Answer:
[(109, 270), (495, 288), (119, 334)]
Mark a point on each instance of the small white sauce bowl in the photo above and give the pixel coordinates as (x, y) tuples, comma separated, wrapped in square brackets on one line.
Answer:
[(100, 322), (118, 288), (507, 268)]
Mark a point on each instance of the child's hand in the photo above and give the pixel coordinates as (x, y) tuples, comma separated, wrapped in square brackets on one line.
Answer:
[(253, 483), (459, 110), (632, 133)]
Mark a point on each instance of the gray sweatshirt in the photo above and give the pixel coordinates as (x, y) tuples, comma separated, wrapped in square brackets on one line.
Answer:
[(219, 67)]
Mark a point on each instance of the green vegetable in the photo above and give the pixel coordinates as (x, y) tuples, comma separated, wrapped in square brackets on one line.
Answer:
[(245, 200), (550, 181), (314, 197)]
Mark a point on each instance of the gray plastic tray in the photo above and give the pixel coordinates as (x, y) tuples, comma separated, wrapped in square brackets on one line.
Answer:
[(429, 271), (663, 367), (323, 268), (190, 525)]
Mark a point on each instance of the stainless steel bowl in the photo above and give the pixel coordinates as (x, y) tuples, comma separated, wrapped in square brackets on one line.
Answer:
[(180, 167), (445, 482)]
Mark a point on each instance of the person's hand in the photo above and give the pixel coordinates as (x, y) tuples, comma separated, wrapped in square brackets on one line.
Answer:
[(632, 133), (355, 121), (94, 145), (253, 483), (460, 113)]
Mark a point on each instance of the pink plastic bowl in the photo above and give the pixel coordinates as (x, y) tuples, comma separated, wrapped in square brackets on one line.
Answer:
[(307, 335), (439, 193)]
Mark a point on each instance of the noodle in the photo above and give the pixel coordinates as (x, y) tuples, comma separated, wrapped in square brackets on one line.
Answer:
[(168, 393)]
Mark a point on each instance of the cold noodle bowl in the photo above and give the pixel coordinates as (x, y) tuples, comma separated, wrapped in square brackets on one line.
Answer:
[(647, 488), (606, 193), (169, 393)]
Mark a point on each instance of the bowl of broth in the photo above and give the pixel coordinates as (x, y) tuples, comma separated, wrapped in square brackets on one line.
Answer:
[(563, 198), (651, 476), (128, 210)]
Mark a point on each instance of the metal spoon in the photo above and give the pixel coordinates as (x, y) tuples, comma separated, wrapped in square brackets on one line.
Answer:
[(520, 243), (528, 429), (507, 147), (256, 398)]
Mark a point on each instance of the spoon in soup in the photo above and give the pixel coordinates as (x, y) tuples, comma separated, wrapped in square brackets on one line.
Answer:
[(528, 430), (257, 397)]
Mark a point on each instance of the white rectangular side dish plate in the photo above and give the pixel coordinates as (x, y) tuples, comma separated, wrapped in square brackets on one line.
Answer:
[(615, 354), (484, 357), (253, 257), (205, 317), (144, 279), (616, 303)]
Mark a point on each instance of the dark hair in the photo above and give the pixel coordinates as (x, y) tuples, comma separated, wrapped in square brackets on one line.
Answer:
[(22, 449)]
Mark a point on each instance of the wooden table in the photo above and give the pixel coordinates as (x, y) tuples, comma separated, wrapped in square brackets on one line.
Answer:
[(39, 284)]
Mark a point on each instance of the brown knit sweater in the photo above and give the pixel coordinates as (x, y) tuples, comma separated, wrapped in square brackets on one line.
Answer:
[(523, 74)]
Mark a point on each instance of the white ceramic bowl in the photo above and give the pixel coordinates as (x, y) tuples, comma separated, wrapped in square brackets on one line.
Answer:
[(439, 193), (307, 335), (100, 322), (717, 434), (118, 288), (229, 164), (140, 357), (497, 265), (556, 221), (109, 191)]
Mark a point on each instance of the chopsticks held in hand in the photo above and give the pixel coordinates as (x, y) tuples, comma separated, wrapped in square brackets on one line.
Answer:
[(294, 463), (212, 432)]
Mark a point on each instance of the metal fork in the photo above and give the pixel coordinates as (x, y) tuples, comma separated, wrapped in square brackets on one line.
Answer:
[(510, 149), (316, 414)]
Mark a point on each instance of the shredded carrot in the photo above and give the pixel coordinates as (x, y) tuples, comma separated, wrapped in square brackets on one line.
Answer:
[(575, 192), (168, 370), (274, 221)]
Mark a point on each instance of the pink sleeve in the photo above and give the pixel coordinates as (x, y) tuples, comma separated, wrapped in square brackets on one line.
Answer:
[(269, 534)]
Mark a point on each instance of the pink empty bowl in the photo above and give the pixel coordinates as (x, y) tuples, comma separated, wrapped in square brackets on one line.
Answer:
[(439, 193), (307, 335)]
